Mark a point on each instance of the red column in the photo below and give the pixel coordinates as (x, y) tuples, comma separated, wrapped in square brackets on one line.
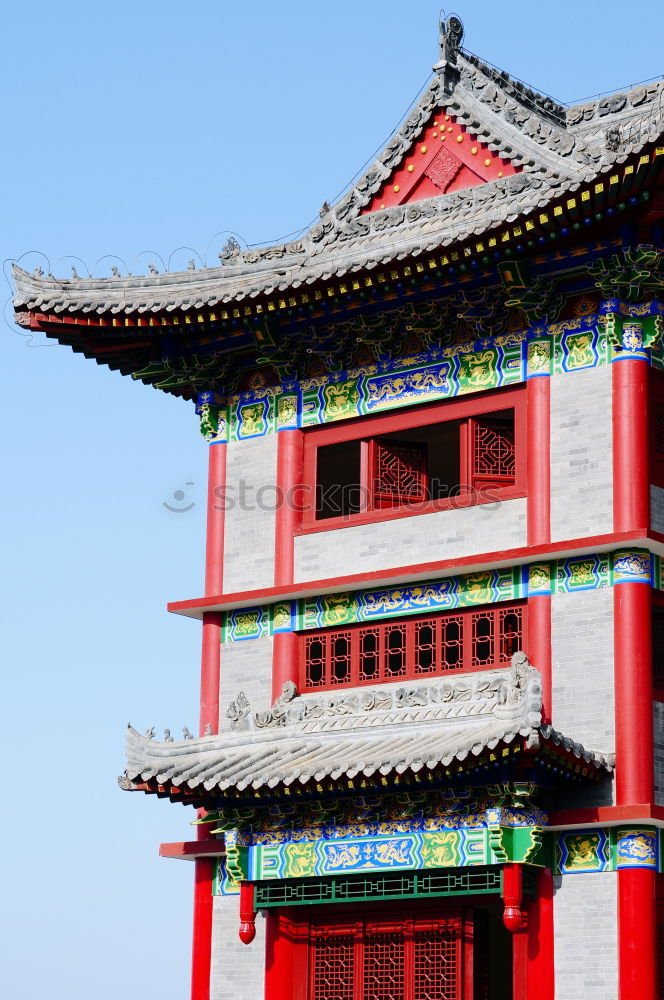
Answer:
[(631, 485), (633, 694), (287, 519), (209, 712), (637, 923), (541, 980), (538, 421), (637, 959), (202, 937)]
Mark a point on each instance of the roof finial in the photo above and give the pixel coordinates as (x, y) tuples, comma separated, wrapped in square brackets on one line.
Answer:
[(450, 38)]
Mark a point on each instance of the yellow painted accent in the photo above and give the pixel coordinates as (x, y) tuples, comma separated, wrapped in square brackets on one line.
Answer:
[(643, 160), (419, 268), (487, 162), (355, 285), (432, 264), (450, 129), (259, 308), (529, 225), (410, 168), (292, 302), (614, 179), (505, 237), (394, 275), (435, 124), (544, 218), (383, 205), (558, 210), (454, 255), (343, 289), (270, 307), (247, 310), (599, 188), (500, 173), (443, 138), (318, 295), (659, 150), (282, 303), (467, 252), (585, 196), (381, 279), (424, 149), (629, 170), (460, 138), (407, 272), (447, 118), (304, 299), (479, 247), (396, 188), (236, 314), (517, 230), (492, 241), (435, 135), (474, 150), (368, 283)]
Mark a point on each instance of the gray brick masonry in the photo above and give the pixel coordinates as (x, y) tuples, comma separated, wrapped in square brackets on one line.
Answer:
[(585, 934), (658, 725), (246, 666), (446, 534), (238, 970), (249, 532), (581, 453), (582, 660), (657, 508)]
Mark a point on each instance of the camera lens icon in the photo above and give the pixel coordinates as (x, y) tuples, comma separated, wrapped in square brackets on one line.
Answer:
[(179, 496)]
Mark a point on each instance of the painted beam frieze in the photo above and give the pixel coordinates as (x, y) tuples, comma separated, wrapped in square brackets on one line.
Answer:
[(561, 576), (437, 373)]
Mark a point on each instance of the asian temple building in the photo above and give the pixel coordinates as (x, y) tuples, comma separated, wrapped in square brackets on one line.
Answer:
[(430, 763)]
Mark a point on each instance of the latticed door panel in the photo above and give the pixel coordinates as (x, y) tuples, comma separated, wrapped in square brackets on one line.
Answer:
[(407, 959), (493, 461), (436, 964), (398, 473)]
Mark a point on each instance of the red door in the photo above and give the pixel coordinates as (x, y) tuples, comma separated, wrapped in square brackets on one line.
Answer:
[(403, 957)]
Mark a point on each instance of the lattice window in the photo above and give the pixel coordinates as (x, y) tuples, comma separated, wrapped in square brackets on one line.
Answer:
[(384, 972), (403, 959), (436, 965), (398, 473), (493, 453), (369, 653), (333, 966), (468, 639)]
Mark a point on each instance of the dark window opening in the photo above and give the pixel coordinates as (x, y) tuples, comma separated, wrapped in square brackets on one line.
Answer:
[(338, 480), (658, 649), (435, 462)]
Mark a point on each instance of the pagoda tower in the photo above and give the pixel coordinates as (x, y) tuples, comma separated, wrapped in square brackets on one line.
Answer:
[(430, 762)]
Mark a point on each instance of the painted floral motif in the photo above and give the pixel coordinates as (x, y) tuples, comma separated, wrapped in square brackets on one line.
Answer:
[(478, 370), (300, 860), (580, 350), (636, 849), (477, 587), (539, 577), (287, 411), (583, 852), (341, 399), (252, 420), (338, 608), (539, 357), (440, 850)]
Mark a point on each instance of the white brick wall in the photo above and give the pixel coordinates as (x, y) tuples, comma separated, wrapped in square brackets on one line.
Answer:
[(657, 508), (581, 453), (658, 726), (582, 663), (585, 936), (238, 970), (446, 534), (246, 666), (249, 527)]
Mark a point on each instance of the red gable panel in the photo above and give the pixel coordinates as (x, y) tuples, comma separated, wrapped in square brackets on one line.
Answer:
[(445, 158)]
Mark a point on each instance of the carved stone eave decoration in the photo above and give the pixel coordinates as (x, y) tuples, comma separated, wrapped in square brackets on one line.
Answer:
[(374, 733)]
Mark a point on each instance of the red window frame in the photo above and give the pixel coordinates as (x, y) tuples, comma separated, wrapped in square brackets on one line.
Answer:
[(470, 410), (465, 640)]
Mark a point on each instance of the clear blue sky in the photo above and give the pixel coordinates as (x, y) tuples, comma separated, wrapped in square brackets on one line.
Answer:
[(133, 126)]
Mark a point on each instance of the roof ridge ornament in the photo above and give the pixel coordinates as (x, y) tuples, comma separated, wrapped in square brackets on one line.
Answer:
[(450, 38)]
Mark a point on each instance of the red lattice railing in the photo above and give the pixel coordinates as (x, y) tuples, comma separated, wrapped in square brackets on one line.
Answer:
[(494, 453), (464, 640)]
